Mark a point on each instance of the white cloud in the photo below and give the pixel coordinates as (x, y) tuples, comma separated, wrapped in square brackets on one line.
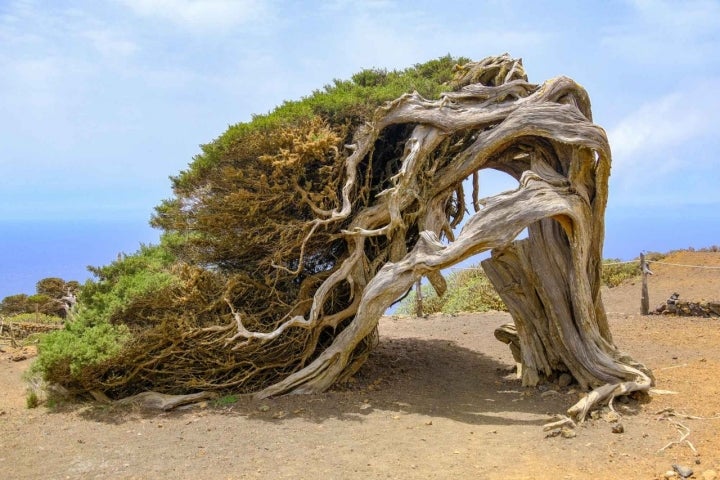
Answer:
[(667, 33), (664, 152), (669, 121), (696, 16), (396, 37), (36, 78), (109, 44), (202, 14)]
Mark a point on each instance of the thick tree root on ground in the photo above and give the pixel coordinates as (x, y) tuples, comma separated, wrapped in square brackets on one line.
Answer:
[(161, 401)]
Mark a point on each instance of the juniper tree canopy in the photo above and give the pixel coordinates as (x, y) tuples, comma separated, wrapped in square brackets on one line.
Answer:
[(297, 230)]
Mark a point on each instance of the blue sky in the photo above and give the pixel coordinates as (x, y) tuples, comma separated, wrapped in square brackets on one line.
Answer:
[(102, 100)]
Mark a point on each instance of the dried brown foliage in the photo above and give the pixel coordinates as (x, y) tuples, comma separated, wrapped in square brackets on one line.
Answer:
[(309, 229)]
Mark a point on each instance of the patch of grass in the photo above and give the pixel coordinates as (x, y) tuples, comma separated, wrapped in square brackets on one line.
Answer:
[(32, 339), (33, 318), (52, 403), (711, 249), (225, 401), (615, 271)]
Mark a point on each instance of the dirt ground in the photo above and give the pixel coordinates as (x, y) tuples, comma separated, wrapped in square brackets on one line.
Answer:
[(436, 400)]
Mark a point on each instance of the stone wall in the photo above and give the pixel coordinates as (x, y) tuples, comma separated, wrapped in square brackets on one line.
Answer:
[(20, 330), (689, 309)]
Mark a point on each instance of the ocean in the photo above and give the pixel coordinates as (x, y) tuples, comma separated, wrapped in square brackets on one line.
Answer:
[(33, 250)]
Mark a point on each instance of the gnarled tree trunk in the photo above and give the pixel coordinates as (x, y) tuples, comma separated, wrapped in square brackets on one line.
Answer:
[(544, 137), (361, 225)]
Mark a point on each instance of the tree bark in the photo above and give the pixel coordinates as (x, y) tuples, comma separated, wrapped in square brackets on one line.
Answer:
[(542, 136)]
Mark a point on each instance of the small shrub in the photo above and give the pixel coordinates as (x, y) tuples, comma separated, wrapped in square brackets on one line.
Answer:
[(32, 339), (430, 301), (473, 292), (469, 290), (656, 256), (52, 403), (32, 400), (614, 272), (97, 330), (64, 353)]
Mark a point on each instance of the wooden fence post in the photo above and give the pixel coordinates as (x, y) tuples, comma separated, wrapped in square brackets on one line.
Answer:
[(644, 296), (418, 299)]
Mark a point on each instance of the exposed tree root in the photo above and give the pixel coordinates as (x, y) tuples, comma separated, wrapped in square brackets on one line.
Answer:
[(161, 401), (684, 430), (607, 393)]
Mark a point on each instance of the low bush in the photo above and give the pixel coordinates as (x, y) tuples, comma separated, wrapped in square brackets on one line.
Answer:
[(65, 353), (97, 330), (32, 400), (615, 271), (469, 290), (225, 400)]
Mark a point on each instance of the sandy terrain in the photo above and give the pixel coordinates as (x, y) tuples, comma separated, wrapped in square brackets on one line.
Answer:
[(435, 400)]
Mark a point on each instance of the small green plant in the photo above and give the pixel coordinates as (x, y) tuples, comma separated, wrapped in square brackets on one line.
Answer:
[(32, 400), (226, 400), (51, 403), (32, 339)]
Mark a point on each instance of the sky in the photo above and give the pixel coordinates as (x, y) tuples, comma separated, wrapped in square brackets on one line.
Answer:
[(102, 101)]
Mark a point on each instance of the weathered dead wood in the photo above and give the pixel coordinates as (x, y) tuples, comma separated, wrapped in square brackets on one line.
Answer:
[(544, 137), (161, 401), (644, 296)]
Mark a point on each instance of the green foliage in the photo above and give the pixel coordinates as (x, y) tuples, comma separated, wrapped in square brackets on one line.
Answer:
[(469, 290), (357, 98), (615, 271), (259, 180), (52, 287), (93, 335), (32, 339), (225, 400), (474, 293), (46, 300), (124, 281), (82, 343), (14, 304), (32, 400), (39, 299)]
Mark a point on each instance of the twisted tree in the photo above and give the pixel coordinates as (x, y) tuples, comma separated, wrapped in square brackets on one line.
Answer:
[(298, 233)]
